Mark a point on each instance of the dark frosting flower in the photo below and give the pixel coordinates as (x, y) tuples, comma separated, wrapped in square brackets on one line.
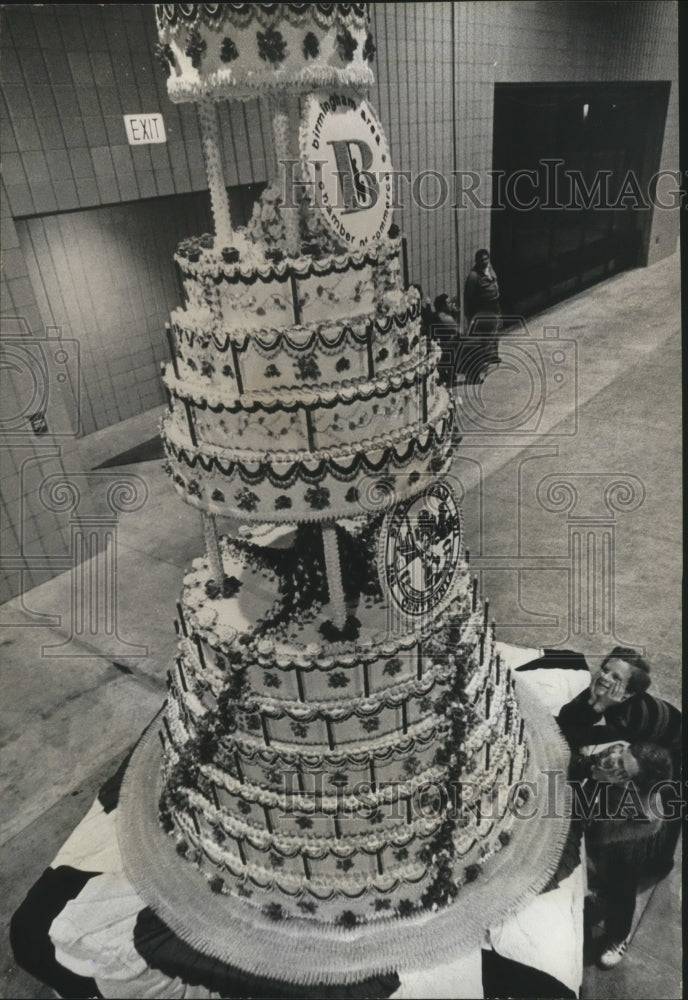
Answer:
[(317, 497), (307, 368), (338, 679), (346, 45), (195, 47), (246, 499), (369, 48), (311, 46), (228, 52), (472, 873), (165, 57), (272, 47)]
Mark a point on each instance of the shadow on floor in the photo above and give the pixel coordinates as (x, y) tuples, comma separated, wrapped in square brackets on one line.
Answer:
[(148, 451)]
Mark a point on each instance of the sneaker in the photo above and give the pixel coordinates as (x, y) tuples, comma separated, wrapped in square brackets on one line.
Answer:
[(613, 954)]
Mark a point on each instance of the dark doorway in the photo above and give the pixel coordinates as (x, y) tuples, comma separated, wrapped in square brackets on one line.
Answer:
[(583, 211)]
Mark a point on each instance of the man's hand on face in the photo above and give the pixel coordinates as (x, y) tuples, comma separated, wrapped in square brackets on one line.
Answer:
[(610, 685), (603, 697)]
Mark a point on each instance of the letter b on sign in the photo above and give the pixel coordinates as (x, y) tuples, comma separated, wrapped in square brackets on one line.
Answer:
[(358, 187), (347, 158)]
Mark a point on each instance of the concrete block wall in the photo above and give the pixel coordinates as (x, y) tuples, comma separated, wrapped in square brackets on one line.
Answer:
[(415, 96), (94, 231), (106, 277), (69, 73)]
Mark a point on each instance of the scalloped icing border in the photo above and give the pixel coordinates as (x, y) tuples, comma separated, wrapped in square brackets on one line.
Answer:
[(310, 396), (312, 467), (211, 265), (273, 338), (216, 15)]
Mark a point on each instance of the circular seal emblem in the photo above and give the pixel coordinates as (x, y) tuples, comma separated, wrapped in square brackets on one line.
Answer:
[(347, 159), (420, 546)]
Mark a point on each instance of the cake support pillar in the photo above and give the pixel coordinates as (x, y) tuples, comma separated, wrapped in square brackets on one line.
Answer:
[(282, 127), (212, 548), (207, 116), (333, 568)]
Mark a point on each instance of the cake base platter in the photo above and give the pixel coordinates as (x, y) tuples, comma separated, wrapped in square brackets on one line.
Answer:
[(306, 952)]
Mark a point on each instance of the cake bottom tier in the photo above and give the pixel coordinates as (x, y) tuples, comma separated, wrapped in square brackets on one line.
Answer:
[(235, 930), (349, 854)]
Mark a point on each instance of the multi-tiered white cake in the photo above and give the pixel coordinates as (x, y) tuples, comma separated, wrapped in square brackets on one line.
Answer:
[(338, 723)]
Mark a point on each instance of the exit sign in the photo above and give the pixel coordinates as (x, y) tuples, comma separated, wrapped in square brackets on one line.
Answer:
[(142, 130)]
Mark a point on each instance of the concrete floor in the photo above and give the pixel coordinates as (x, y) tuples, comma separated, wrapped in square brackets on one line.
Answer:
[(615, 416)]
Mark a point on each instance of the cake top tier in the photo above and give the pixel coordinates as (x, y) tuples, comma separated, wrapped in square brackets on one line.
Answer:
[(240, 50)]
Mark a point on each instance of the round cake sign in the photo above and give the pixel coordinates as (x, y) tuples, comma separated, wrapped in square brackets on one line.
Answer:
[(347, 157), (420, 545)]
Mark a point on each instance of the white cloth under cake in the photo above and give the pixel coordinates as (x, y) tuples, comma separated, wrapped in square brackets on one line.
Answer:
[(94, 934)]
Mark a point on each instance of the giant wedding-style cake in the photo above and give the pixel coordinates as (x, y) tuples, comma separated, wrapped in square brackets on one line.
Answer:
[(339, 727)]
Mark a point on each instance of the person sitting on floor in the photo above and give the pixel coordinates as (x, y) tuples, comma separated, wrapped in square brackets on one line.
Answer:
[(427, 313), (446, 334), (626, 832)]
